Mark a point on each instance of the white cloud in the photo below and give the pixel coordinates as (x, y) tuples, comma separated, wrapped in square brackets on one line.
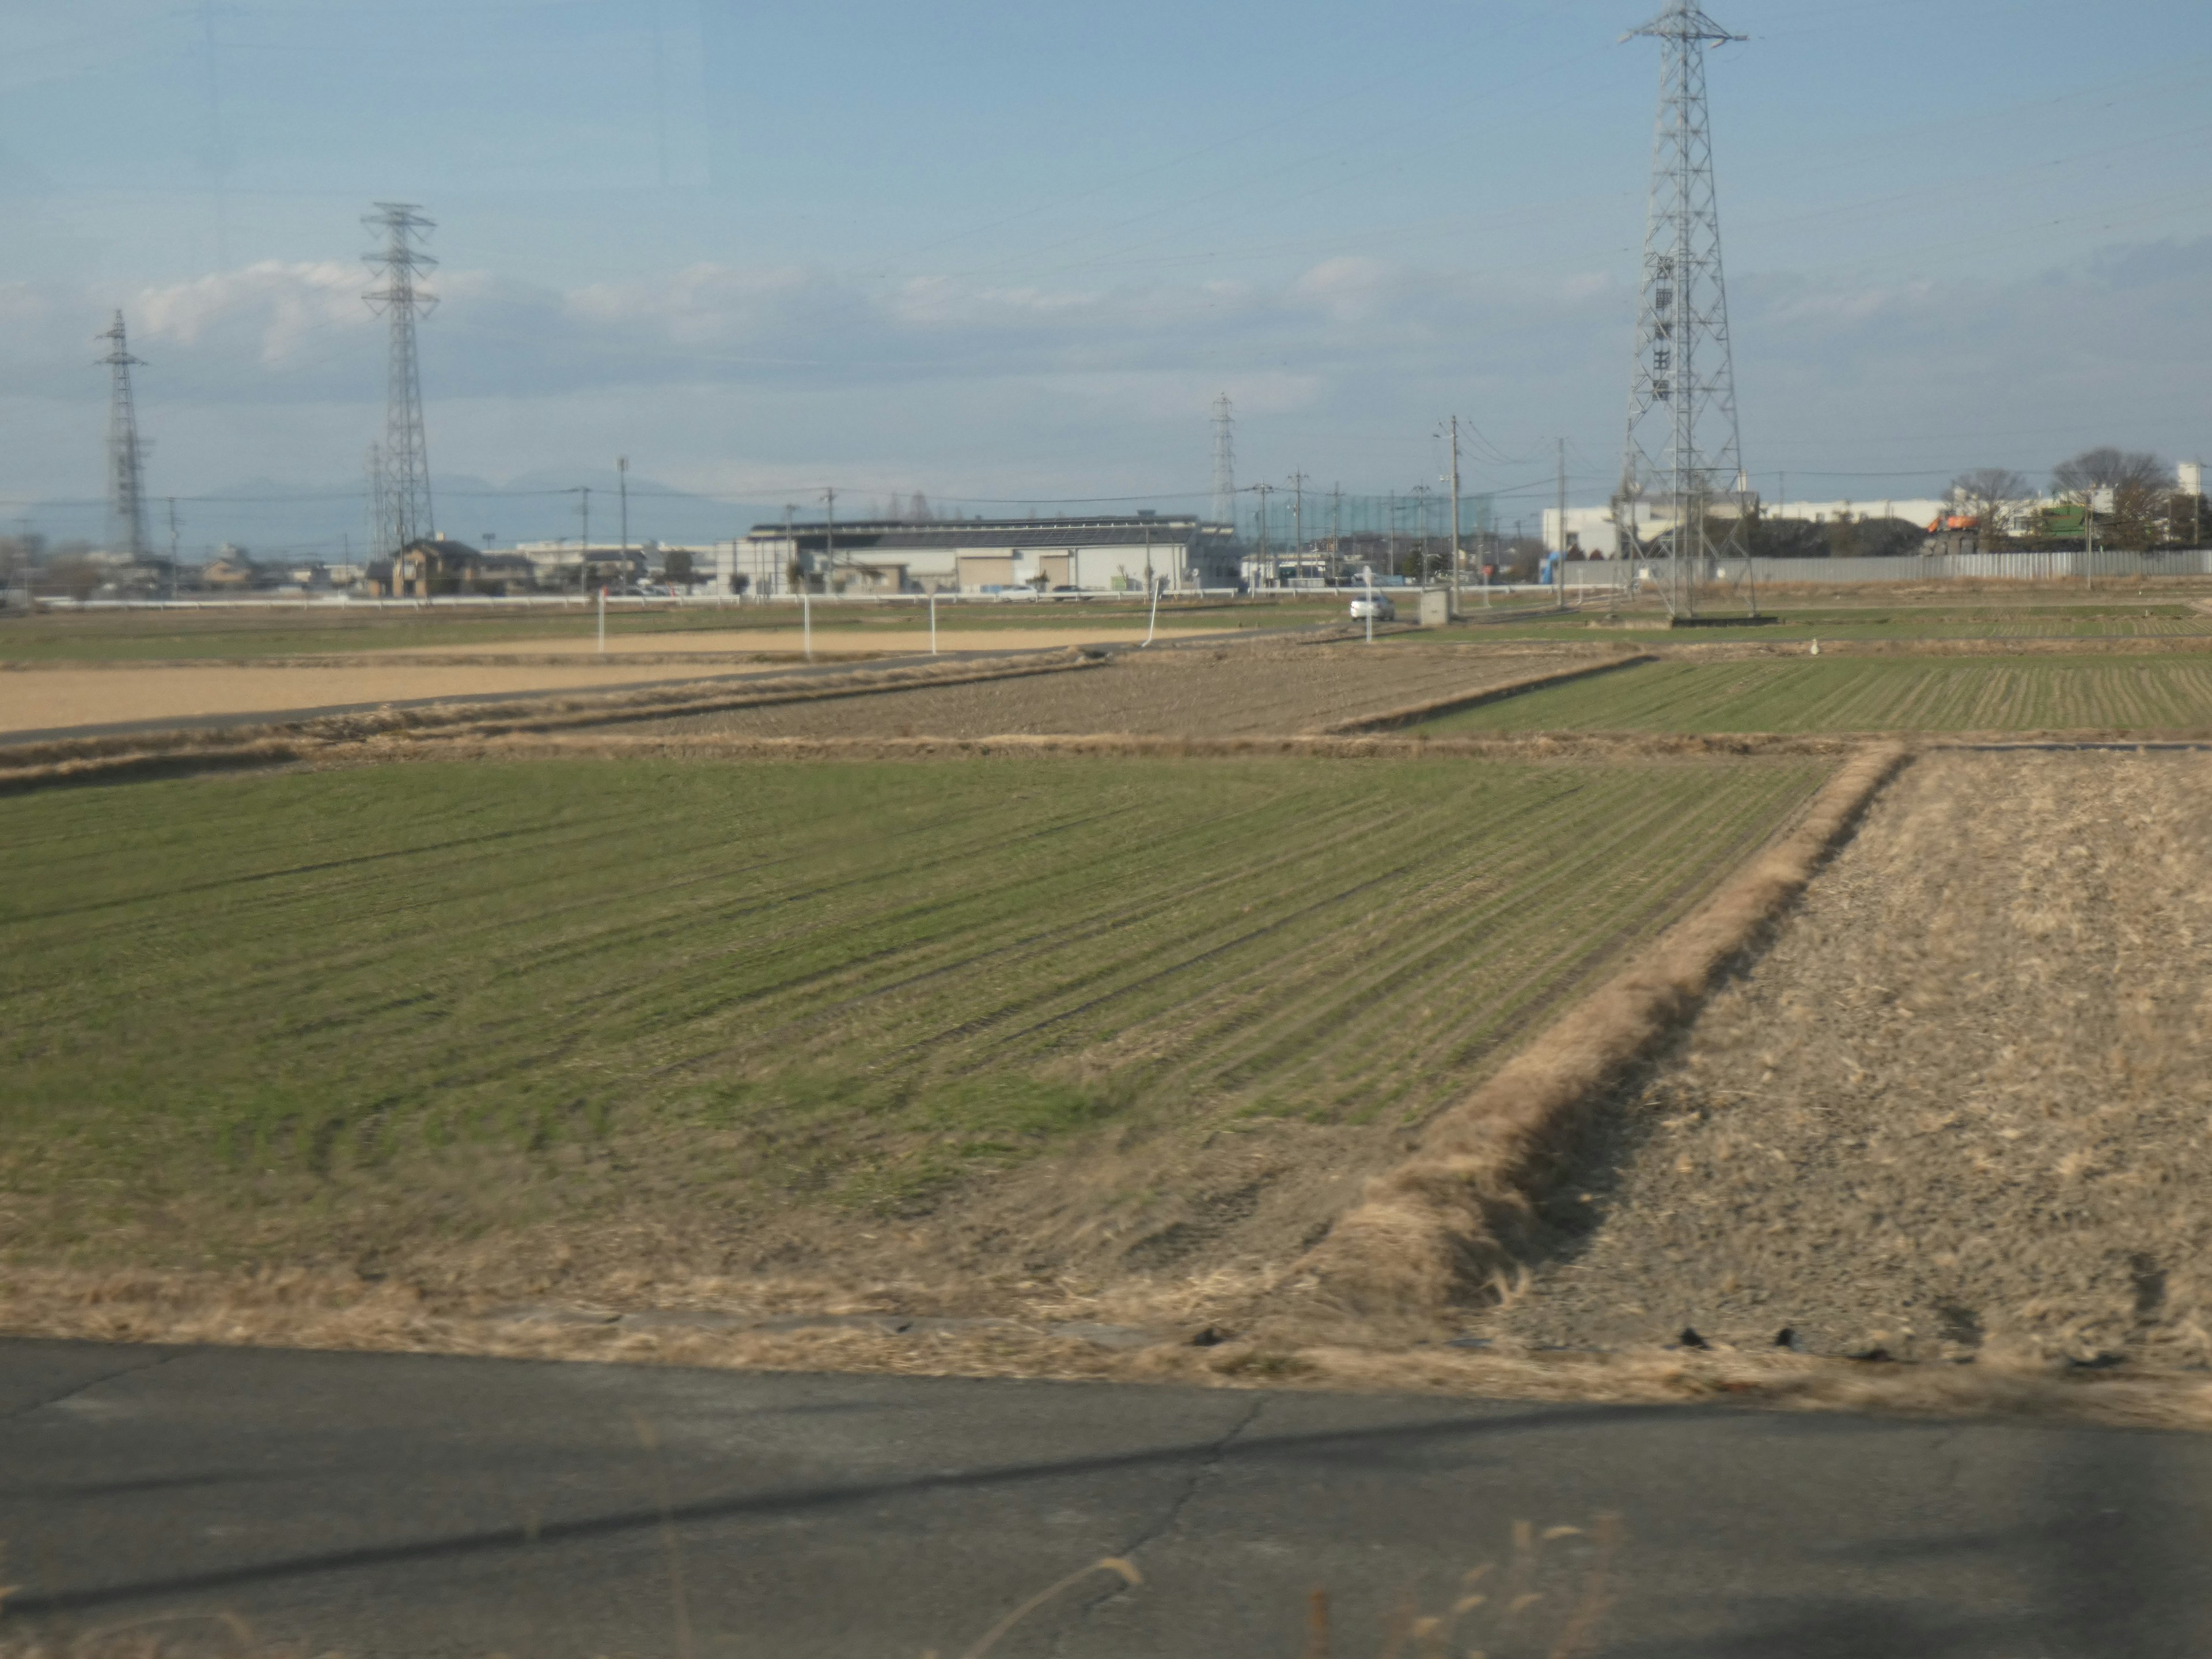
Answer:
[(280, 305)]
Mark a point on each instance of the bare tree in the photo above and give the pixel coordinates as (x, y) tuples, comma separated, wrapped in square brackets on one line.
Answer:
[(2139, 483), (1991, 495)]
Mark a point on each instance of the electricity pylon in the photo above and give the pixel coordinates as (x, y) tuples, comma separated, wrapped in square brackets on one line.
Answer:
[(406, 515), (1224, 463), (126, 488), (1684, 445)]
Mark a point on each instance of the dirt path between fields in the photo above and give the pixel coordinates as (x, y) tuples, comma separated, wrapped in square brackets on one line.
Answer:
[(1958, 1110)]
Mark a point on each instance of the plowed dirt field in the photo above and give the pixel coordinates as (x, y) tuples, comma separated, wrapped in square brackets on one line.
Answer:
[(1961, 1106), (1235, 691)]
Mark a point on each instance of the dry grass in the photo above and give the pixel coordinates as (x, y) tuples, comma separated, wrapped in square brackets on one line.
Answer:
[(1436, 1232)]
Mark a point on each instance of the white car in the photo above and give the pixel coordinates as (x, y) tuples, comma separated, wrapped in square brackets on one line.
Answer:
[(1376, 605)]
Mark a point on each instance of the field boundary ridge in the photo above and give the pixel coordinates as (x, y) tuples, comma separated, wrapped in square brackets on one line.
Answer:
[(1436, 1232)]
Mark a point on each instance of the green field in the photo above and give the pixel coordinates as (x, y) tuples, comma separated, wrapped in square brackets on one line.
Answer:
[(1941, 619), (1867, 693), (261, 999), (165, 636)]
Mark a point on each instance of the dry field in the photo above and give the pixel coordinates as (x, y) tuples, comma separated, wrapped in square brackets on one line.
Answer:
[(52, 699), (1231, 691), (834, 636), (1960, 1109)]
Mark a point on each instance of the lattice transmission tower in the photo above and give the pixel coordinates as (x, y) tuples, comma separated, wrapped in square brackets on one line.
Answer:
[(1684, 455), (126, 483), (1224, 462), (403, 508)]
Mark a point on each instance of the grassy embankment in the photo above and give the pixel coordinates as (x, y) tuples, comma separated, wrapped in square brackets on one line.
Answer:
[(313, 1016), (162, 635), (1867, 694)]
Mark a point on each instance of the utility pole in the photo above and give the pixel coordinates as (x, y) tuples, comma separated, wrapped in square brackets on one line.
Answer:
[(1393, 528), (1560, 570), (829, 535), (126, 497), (406, 457), (622, 475), (1297, 522), (172, 547), (1263, 491), (1455, 518), (1335, 533), (583, 546), (791, 571)]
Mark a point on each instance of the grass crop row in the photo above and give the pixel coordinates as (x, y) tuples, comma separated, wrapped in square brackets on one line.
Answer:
[(856, 977), (1948, 620), (1867, 693)]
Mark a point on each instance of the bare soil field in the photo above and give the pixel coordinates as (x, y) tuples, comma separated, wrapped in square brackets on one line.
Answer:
[(47, 698), (830, 640), (1958, 1110), (1192, 692)]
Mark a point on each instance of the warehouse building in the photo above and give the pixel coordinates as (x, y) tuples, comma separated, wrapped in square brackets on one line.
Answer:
[(985, 556)]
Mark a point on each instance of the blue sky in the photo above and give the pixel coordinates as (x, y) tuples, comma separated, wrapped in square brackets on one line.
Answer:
[(1011, 252)]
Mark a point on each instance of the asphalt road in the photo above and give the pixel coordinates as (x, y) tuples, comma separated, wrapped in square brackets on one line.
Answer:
[(374, 1505)]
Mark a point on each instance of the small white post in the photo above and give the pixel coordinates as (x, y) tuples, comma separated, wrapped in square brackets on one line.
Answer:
[(1153, 626), (933, 622), (603, 621), (806, 618)]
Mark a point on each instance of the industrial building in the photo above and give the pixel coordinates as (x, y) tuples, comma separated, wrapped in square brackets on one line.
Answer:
[(983, 555)]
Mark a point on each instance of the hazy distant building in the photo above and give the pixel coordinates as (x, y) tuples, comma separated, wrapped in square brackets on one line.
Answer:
[(981, 555)]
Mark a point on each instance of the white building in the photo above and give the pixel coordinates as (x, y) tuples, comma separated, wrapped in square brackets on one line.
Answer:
[(1593, 530), (962, 556)]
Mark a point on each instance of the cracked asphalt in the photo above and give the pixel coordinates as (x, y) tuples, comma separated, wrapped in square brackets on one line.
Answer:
[(404, 1505)]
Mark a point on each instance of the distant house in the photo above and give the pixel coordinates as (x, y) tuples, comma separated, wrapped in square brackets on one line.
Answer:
[(232, 567), (436, 568)]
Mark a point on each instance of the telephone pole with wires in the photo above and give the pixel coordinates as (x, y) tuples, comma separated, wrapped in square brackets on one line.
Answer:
[(829, 535), (1261, 575), (1454, 478), (1298, 482), (1224, 463), (1560, 570)]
